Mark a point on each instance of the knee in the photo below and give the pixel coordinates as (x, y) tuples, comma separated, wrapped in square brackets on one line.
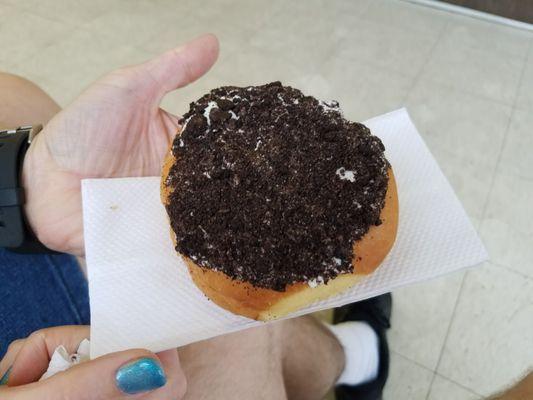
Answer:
[(12, 80)]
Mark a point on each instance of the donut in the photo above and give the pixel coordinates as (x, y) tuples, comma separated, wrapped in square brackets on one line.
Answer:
[(275, 200)]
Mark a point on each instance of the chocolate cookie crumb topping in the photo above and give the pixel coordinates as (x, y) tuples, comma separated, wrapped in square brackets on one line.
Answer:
[(273, 187)]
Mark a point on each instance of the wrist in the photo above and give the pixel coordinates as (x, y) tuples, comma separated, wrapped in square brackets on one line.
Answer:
[(36, 185), (16, 234), (52, 198), (27, 180)]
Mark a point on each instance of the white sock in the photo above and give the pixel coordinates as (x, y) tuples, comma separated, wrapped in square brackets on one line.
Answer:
[(361, 351)]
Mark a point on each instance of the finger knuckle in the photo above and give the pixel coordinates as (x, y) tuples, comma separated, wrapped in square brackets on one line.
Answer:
[(39, 334), (15, 344)]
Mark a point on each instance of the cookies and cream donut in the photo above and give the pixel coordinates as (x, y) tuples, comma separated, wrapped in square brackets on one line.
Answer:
[(275, 200)]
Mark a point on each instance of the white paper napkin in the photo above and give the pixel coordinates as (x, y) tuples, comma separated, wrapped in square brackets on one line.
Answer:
[(61, 360), (140, 291)]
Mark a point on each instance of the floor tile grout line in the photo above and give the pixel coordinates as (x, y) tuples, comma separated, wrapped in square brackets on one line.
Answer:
[(458, 384), (482, 96), (450, 326), (457, 299), (421, 366), (431, 385), (404, 3), (417, 77), (515, 174), (507, 269), (387, 69), (435, 373), (407, 358), (506, 135), (472, 94)]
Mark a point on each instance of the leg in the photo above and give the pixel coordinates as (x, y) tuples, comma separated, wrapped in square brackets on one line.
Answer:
[(39, 291), (293, 359), (23, 103), (313, 359)]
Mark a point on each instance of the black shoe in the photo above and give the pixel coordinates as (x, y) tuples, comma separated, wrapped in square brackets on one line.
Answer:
[(376, 312)]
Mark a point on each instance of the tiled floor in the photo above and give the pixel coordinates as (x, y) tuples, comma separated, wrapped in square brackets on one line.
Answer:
[(468, 85)]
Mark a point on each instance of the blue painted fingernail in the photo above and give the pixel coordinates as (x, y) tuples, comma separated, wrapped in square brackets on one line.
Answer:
[(140, 376), (4, 379)]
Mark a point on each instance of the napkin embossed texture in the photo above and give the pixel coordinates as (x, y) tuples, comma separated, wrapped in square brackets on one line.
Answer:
[(140, 291)]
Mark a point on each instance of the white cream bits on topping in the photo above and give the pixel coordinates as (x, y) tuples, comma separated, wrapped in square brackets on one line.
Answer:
[(313, 283), (330, 106), (207, 111), (345, 174)]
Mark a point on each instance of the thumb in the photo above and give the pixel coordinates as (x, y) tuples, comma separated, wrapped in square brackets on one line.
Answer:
[(180, 66), (114, 376)]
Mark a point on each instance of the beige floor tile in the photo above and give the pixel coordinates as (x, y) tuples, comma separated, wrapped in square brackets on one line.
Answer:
[(315, 83), (242, 14), (387, 47), (234, 22), (342, 12), (132, 23), (407, 380), (72, 11), (525, 92), (421, 316), (404, 15), (23, 36), (249, 67), (486, 36), (78, 60), (517, 157), (490, 342), (470, 180), (476, 71), (468, 126), (297, 32), (363, 91), (231, 37), (507, 227), (301, 49), (465, 134), (444, 389)]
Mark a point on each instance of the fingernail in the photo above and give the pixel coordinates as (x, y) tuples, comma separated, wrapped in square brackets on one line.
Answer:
[(140, 376), (4, 379)]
